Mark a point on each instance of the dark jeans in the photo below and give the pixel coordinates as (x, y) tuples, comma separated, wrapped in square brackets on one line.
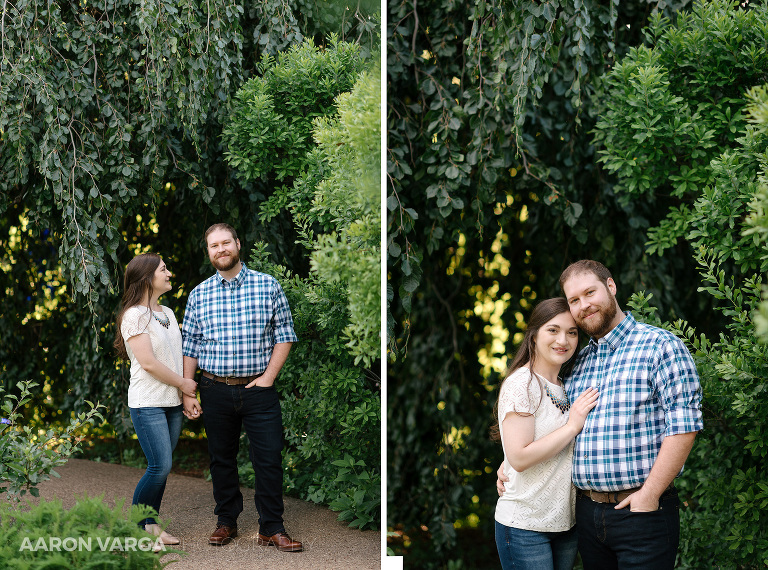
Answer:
[(611, 539), (158, 431), (226, 410), (532, 550)]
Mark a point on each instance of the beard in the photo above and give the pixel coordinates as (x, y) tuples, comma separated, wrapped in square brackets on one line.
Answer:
[(226, 264), (600, 323)]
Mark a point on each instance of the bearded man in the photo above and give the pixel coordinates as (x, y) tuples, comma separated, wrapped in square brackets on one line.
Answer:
[(635, 441), (238, 330)]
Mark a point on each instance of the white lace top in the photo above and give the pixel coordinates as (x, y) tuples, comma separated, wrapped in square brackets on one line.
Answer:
[(145, 390), (542, 498)]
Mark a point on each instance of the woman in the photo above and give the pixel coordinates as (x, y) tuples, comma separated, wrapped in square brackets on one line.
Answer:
[(148, 335), (537, 425)]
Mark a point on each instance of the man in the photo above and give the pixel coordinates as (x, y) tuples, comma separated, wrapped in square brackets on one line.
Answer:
[(636, 440), (238, 330)]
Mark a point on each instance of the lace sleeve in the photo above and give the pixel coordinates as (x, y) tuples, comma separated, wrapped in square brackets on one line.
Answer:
[(520, 394), (134, 322)]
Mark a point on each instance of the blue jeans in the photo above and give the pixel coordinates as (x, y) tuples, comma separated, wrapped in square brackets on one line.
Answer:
[(158, 431), (226, 411), (532, 550), (611, 539)]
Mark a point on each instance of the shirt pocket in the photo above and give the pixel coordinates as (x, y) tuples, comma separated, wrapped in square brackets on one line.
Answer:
[(631, 390), (256, 319)]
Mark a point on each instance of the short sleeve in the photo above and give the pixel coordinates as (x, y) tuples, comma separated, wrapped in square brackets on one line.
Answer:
[(520, 394), (135, 322)]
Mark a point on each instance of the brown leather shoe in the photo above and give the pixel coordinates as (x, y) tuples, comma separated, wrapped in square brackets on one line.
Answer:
[(282, 541), (222, 535)]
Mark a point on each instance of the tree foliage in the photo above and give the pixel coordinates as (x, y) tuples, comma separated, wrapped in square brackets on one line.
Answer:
[(758, 220), (88, 98), (347, 208), (676, 106)]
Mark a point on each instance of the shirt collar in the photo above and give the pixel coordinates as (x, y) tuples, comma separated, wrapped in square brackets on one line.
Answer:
[(236, 281), (617, 335)]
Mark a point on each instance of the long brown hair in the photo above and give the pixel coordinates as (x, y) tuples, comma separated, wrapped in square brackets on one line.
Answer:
[(544, 312), (137, 286)]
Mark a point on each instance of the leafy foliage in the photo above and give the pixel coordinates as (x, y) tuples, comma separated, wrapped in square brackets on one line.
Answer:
[(757, 220), (28, 457), (676, 125), (270, 129), (676, 106), (107, 76), (282, 23), (92, 535), (347, 202)]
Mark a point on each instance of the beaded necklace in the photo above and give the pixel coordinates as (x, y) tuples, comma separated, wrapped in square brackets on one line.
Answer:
[(165, 322), (563, 404)]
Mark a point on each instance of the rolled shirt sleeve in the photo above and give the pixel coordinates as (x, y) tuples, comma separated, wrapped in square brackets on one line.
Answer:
[(679, 389), (282, 320)]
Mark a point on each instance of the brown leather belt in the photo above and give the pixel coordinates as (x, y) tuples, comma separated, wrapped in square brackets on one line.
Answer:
[(614, 498), (232, 380)]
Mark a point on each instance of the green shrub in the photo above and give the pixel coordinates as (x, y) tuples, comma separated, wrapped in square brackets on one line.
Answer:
[(89, 535), (669, 109), (347, 200), (28, 456)]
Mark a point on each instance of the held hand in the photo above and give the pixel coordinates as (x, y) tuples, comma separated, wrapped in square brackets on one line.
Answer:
[(192, 409), (581, 407), (188, 387), (640, 502), (502, 478)]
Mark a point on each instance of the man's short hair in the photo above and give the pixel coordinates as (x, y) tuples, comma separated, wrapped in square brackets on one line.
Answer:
[(216, 227), (585, 266)]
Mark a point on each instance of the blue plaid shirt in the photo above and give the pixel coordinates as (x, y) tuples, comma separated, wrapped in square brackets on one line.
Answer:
[(649, 389), (231, 327)]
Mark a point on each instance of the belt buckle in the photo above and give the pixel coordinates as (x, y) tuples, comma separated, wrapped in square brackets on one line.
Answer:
[(226, 380)]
